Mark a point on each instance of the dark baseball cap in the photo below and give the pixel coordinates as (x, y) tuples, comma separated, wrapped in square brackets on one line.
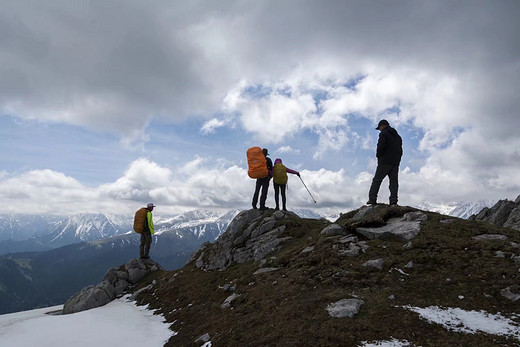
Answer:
[(382, 122)]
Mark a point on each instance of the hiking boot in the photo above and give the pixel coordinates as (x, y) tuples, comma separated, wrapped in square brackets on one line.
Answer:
[(393, 204), (263, 208), (254, 207), (277, 208), (371, 202), (284, 209)]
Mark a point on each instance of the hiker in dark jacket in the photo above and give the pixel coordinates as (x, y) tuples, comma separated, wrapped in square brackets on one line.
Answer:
[(389, 153), (280, 181), (263, 183)]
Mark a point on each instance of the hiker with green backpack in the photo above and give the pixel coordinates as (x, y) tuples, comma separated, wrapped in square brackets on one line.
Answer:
[(280, 179)]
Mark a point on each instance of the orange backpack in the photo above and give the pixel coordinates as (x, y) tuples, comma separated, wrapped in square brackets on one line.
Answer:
[(257, 163), (139, 220)]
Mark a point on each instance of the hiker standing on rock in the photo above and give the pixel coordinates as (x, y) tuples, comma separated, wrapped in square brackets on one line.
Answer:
[(280, 181), (389, 152), (263, 183), (143, 224)]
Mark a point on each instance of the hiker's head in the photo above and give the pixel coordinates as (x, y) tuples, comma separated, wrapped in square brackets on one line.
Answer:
[(265, 151), (278, 161), (150, 206), (383, 123)]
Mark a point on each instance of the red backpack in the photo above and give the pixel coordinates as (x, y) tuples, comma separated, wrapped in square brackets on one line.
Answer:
[(256, 162)]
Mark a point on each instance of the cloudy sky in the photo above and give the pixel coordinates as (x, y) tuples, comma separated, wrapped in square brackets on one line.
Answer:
[(107, 105)]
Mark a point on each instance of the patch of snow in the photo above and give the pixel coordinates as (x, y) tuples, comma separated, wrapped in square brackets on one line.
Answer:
[(118, 323), (459, 320), (388, 343)]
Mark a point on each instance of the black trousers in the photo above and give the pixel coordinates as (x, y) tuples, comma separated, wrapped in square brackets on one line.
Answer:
[(263, 184), (382, 171), (277, 189), (146, 242)]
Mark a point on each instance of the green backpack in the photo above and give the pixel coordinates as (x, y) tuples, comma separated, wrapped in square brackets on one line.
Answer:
[(279, 174)]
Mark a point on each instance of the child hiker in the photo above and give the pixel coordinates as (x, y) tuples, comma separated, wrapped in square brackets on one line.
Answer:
[(280, 181)]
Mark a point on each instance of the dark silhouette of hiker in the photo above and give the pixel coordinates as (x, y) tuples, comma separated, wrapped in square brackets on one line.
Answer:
[(280, 181), (263, 183), (389, 152)]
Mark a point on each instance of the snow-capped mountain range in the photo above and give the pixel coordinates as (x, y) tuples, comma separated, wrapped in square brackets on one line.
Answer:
[(19, 232)]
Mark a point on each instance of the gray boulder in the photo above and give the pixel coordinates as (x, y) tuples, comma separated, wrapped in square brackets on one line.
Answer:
[(252, 235), (504, 213), (114, 283), (376, 263), (345, 308), (404, 228), (333, 229)]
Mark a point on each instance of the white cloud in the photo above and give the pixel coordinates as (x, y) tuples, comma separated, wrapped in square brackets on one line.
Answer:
[(288, 149), (210, 126), (277, 70)]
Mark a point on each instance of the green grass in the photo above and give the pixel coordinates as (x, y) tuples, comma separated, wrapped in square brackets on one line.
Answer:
[(287, 307)]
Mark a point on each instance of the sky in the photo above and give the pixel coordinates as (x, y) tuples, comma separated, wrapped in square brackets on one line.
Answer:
[(122, 322), (108, 105)]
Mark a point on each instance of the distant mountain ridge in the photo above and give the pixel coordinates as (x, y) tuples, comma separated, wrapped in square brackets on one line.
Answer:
[(30, 233), (458, 209)]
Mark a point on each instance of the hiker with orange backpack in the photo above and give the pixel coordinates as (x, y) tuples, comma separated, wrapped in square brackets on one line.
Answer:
[(143, 224), (280, 181), (261, 168)]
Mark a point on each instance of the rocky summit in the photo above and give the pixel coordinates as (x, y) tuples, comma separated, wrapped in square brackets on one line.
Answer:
[(504, 213), (274, 279)]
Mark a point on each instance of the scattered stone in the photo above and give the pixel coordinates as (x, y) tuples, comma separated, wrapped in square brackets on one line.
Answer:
[(275, 283), (507, 293), (364, 246), (265, 269), (408, 245), (409, 265), (377, 263), (204, 338), (228, 287), (229, 300), (348, 238), (352, 251), (333, 229), (404, 228), (391, 297), (345, 308), (486, 237), (307, 249), (500, 254)]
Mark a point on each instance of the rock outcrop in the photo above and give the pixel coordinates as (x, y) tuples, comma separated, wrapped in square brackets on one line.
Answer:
[(504, 213), (252, 235), (114, 283)]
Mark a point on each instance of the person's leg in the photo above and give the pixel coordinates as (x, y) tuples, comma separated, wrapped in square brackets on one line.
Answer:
[(265, 188), (381, 172), (393, 177), (276, 194), (141, 246), (282, 188), (148, 243), (257, 191)]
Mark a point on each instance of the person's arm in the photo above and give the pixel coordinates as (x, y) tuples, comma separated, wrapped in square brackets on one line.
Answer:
[(269, 166), (381, 145), (150, 222), (292, 171)]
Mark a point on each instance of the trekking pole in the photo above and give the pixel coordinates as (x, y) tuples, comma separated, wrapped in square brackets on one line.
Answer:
[(307, 189)]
